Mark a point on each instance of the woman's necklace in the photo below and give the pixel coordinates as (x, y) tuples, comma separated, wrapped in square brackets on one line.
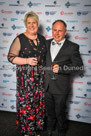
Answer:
[(34, 41), (34, 46)]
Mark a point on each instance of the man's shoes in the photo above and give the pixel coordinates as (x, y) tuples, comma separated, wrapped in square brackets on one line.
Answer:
[(49, 133), (61, 134)]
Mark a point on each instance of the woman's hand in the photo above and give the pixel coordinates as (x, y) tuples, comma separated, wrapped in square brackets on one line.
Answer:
[(31, 61)]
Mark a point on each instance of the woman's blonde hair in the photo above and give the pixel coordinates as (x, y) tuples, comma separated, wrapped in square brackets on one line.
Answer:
[(32, 15)]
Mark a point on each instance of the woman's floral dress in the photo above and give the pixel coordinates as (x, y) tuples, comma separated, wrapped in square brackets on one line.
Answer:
[(30, 85)]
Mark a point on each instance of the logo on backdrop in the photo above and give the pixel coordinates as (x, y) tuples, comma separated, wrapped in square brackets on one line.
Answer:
[(17, 27), (53, 5), (7, 94), (12, 107), (3, 105), (7, 75), (17, 3), (89, 5), (79, 116), (79, 13), (72, 21), (50, 12), (48, 28), (2, 87), (7, 34), (30, 4), (13, 19), (3, 27), (84, 97), (80, 38), (2, 3), (86, 29), (85, 21), (87, 104), (73, 29), (88, 90), (20, 12), (68, 4), (2, 48), (74, 102), (66, 13), (6, 11)]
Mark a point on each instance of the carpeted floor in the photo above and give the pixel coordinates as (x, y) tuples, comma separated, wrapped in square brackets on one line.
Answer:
[(7, 126)]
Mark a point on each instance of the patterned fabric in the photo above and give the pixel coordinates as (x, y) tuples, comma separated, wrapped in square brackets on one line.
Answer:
[(30, 88)]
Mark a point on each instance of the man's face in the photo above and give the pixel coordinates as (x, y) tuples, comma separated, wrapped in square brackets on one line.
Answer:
[(58, 31)]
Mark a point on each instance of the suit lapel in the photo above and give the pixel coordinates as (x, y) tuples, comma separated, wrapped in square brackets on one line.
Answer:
[(49, 54)]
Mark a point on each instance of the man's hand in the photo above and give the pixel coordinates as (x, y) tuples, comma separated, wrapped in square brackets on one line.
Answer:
[(55, 68)]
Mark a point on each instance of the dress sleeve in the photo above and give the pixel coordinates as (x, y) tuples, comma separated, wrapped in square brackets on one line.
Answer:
[(14, 50)]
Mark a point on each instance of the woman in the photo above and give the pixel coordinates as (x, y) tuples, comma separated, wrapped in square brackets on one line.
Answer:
[(28, 52)]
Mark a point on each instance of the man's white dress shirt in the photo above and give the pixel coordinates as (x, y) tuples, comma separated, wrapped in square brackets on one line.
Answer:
[(55, 47)]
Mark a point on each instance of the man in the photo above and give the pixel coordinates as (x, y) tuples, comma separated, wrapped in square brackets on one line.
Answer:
[(64, 57)]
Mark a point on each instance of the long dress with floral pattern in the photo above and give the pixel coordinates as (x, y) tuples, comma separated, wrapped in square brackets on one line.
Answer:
[(30, 85)]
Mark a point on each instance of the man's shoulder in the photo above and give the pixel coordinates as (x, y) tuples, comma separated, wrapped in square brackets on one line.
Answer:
[(71, 43), (49, 40)]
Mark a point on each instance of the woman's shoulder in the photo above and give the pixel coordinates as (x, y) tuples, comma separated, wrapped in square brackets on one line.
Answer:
[(21, 35), (40, 36)]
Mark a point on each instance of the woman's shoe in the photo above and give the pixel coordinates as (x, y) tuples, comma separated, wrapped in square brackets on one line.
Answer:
[(38, 134)]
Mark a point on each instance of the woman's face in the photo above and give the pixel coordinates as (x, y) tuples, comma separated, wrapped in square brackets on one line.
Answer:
[(31, 25)]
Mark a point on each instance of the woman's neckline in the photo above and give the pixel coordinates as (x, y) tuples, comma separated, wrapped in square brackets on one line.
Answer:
[(30, 38)]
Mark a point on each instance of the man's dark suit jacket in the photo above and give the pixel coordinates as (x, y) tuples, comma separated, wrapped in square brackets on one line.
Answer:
[(69, 60)]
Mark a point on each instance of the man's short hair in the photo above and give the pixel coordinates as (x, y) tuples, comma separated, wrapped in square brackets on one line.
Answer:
[(61, 22)]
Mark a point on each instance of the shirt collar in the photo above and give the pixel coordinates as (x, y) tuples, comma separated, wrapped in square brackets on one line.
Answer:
[(59, 43)]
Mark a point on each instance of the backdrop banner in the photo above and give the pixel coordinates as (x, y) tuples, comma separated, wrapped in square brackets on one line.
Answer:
[(77, 15)]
